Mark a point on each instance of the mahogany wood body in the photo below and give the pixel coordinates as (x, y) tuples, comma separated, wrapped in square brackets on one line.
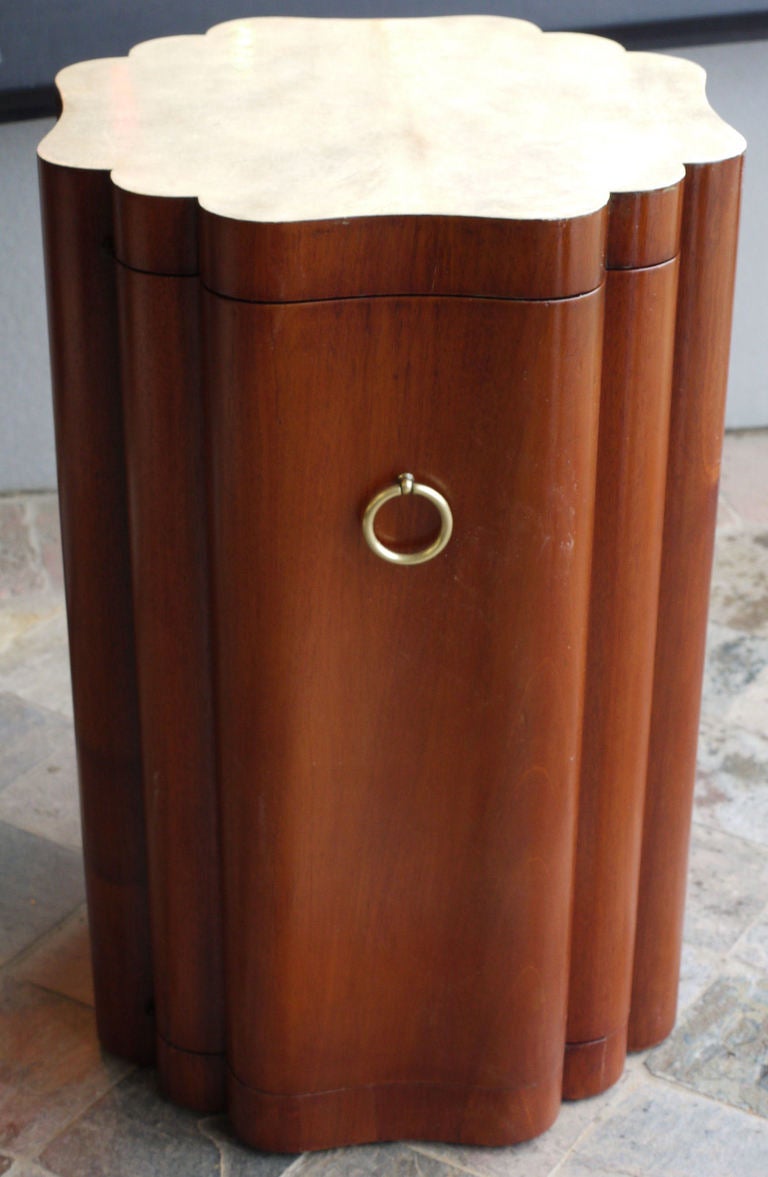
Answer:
[(707, 266), (83, 331), (629, 502), (161, 378), (396, 750), (399, 745)]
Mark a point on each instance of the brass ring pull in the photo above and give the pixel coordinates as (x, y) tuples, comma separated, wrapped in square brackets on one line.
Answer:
[(405, 485)]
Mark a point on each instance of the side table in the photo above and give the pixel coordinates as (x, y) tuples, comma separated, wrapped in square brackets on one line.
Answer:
[(389, 363)]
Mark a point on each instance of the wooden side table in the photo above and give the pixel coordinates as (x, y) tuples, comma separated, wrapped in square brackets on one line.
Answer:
[(389, 362)]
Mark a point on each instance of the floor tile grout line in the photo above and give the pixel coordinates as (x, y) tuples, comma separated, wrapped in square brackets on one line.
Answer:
[(66, 729), (719, 962), (38, 492), (761, 916), (76, 847), (65, 1127), (731, 724), (28, 949), (650, 1080), (223, 1166), (294, 1162), (67, 716), (634, 1083), (29, 516), (694, 1092), (426, 1150), (42, 837), (57, 993), (614, 1172), (697, 823), (26, 1161)]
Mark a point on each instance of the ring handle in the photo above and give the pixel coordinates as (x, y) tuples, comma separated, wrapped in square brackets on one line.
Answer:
[(406, 485)]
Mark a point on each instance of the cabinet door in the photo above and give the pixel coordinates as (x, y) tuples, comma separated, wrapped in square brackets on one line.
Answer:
[(399, 745)]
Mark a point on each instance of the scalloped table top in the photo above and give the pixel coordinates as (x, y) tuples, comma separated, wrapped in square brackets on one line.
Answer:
[(288, 119)]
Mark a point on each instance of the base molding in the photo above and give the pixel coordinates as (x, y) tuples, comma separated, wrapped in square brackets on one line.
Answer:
[(196, 1081), (593, 1067), (450, 1113)]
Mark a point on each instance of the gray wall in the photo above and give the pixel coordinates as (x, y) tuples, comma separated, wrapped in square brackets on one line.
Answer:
[(738, 89), (737, 86), (26, 428)]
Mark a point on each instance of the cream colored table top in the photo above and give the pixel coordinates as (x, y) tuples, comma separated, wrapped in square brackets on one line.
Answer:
[(286, 119)]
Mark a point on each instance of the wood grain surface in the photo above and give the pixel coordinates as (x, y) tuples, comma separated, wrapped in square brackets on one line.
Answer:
[(707, 264), (629, 513), (427, 255), (410, 841), (643, 228), (165, 444), (399, 746), (82, 317)]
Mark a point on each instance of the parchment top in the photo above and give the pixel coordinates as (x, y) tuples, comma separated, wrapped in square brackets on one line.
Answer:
[(292, 119)]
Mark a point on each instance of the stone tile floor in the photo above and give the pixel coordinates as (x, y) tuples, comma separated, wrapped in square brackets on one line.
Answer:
[(696, 1106)]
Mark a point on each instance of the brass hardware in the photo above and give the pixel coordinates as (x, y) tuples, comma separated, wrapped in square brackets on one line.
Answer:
[(405, 485)]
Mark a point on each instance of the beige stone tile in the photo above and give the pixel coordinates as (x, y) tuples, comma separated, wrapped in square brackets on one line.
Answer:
[(736, 663), (373, 1160), (744, 474), (21, 617), (30, 547), (40, 884), (720, 1048), (45, 536), (739, 594), (52, 1068), (732, 780), (132, 1132), (698, 969), (664, 1131), (727, 885), (35, 666), (18, 718), (750, 707), (536, 1158), (727, 518), (752, 947), (20, 571), (573, 1166), (238, 1159), (44, 799), (62, 961), (28, 1169), (27, 734)]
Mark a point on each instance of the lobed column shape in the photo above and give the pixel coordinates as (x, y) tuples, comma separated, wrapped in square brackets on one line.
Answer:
[(703, 327), (632, 458), (165, 447), (85, 365), (401, 228)]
